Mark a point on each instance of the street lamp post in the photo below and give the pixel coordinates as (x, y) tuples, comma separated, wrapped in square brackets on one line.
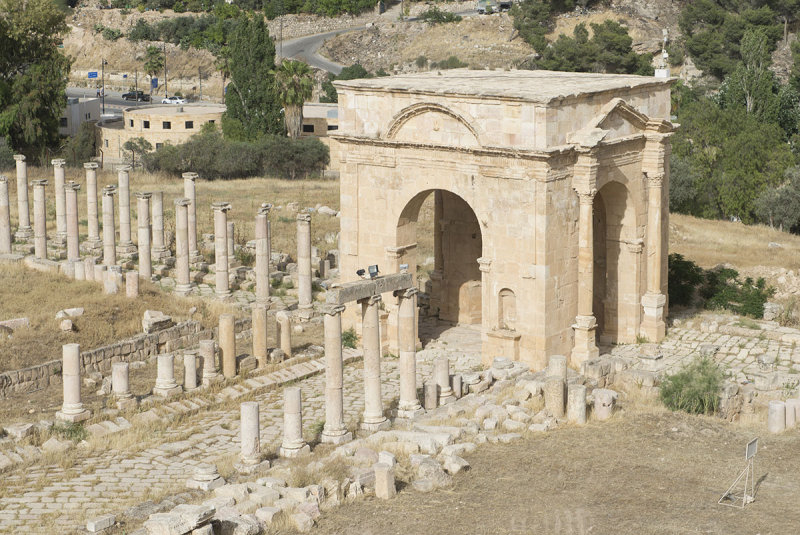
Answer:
[(166, 93), (103, 84)]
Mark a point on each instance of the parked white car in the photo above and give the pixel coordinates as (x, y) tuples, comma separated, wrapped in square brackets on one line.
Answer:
[(173, 100)]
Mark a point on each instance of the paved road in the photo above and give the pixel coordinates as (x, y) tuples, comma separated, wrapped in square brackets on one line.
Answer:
[(114, 101)]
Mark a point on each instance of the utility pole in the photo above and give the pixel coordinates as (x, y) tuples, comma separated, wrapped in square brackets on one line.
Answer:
[(200, 76), (103, 84), (136, 84), (166, 93)]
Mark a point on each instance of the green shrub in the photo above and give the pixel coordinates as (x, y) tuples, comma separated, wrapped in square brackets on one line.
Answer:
[(6, 156), (450, 63), (694, 389), (72, 431), (722, 289), (684, 277), (421, 62), (434, 15), (111, 34), (349, 338)]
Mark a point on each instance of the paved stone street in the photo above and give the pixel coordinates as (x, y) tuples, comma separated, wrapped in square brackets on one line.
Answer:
[(103, 481)]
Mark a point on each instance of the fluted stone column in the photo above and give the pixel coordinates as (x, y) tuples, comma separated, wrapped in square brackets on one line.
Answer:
[(259, 323), (126, 245), (304, 261), (61, 201), (24, 230), (585, 347), (293, 444), (189, 370), (165, 382), (132, 284), (227, 345), (284, 332), (441, 374), (250, 433), (120, 385), (371, 340), (93, 240), (5, 217), (262, 254), (334, 431), (182, 282), (40, 219), (222, 289), (109, 232), (73, 237), (190, 193), (160, 250), (72, 410), (408, 406), (208, 353), (143, 234)]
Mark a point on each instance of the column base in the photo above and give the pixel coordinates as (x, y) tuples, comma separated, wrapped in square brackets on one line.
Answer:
[(222, 296), (23, 234), (444, 400), (248, 466), (159, 253), (127, 404), (126, 249), (60, 240), (409, 413), (336, 437), (584, 348), (73, 417), (183, 289), (378, 425), (653, 326), (209, 380), (168, 391), (290, 453)]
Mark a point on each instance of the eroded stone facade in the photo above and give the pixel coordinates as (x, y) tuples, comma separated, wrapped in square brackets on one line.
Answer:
[(550, 190)]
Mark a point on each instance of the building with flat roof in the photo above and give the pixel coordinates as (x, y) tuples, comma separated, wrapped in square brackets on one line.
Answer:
[(159, 124), (77, 111)]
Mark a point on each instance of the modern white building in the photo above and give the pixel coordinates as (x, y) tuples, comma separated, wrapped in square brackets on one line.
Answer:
[(78, 110)]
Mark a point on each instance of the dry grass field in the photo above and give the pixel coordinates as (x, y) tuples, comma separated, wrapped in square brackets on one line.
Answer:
[(646, 471)]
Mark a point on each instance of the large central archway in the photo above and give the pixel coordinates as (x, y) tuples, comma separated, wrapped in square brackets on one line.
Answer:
[(455, 244)]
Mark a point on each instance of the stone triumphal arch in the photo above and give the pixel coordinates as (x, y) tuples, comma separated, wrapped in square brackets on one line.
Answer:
[(550, 194)]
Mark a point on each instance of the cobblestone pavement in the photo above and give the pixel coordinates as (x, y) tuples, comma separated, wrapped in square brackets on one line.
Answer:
[(103, 480)]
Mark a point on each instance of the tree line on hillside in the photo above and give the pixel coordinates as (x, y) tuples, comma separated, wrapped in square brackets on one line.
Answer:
[(270, 8)]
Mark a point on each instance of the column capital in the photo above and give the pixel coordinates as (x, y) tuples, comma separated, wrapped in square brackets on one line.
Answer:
[(58, 162), (264, 208), (143, 194), (90, 165), (19, 157), (190, 176), (586, 197), (634, 246), (74, 186), (182, 202), (41, 182), (484, 264), (123, 168), (304, 217), (407, 293), (654, 179), (109, 190), (333, 310), (371, 300), (3, 178), (220, 206)]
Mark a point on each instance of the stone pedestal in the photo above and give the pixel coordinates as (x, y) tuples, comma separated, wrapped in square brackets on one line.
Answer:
[(653, 326), (109, 233), (160, 251), (183, 284), (40, 219), (208, 354), (293, 444), (5, 217), (120, 386), (557, 367), (165, 383), (132, 284), (189, 370), (441, 375), (776, 416), (373, 419), (93, 242), (262, 254), (73, 237), (334, 431), (190, 193), (99, 271), (284, 333), (304, 261), (250, 433), (112, 279), (72, 410), (554, 396), (89, 265), (576, 404), (79, 269), (143, 234), (408, 406), (227, 345), (604, 401), (385, 488), (61, 203), (221, 209), (430, 395), (24, 230), (259, 328), (126, 246)]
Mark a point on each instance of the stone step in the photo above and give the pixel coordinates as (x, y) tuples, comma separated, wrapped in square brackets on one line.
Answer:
[(29, 453)]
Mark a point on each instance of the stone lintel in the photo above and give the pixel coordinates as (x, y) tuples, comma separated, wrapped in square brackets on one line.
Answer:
[(357, 290)]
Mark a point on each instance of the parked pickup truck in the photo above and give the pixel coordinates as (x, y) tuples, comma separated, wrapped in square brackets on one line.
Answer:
[(485, 7), (138, 96)]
